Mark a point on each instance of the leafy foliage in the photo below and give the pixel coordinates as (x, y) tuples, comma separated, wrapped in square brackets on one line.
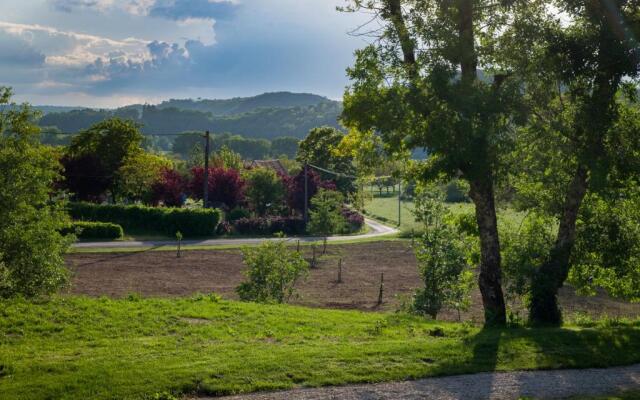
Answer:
[(326, 213), (607, 252), (226, 186), (442, 261), (191, 222), (321, 148), (265, 191), (138, 174), (272, 272), (103, 149), (31, 246), (170, 189), (95, 230)]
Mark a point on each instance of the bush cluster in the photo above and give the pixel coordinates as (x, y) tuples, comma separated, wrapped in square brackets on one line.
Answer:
[(191, 222), (95, 230), (354, 220), (269, 225)]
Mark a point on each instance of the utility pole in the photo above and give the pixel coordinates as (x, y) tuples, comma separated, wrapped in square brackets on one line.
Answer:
[(205, 196), (400, 202), (306, 193)]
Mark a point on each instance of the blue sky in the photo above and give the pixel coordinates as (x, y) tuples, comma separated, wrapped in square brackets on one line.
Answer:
[(108, 53)]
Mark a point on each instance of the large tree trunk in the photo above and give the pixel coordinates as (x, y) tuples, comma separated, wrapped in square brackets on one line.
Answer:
[(544, 309), (490, 279)]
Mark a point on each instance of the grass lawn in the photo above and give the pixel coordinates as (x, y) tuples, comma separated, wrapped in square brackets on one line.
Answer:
[(385, 208), (633, 395), (74, 347)]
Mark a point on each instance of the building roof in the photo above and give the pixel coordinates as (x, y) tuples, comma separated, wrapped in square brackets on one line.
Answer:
[(275, 165)]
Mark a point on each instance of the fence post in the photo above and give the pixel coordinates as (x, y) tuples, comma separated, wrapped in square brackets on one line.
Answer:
[(381, 288), (340, 271)]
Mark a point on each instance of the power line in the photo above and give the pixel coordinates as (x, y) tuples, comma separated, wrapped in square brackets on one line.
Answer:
[(144, 134)]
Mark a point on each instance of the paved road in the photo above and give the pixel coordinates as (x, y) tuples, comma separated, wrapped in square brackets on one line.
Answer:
[(377, 230), (487, 386)]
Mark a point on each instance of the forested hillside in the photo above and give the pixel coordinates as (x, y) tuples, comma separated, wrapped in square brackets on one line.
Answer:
[(267, 116)]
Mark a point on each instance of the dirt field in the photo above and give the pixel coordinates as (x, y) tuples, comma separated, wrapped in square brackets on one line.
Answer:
[(160, 273)]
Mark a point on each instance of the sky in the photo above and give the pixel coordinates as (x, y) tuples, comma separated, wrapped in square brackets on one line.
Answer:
[(110, 53)]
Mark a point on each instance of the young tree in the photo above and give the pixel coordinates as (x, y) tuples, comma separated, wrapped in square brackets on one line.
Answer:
[(264, 190), (420, 87), (272, 272), (31, 246), (326, 213), (441, 259)]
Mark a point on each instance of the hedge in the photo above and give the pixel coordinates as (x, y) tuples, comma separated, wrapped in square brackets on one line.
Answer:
[(269, 226), (191, 222), (95, 230)]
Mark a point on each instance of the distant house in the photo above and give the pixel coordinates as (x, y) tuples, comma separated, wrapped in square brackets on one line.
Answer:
[(275, 165)]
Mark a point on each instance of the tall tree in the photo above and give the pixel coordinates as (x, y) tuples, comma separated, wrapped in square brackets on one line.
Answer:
[(419, 87), (321, 149), (112, 142), (574, 141)]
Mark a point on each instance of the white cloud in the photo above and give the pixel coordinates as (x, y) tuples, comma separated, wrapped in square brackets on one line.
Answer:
[(75, 49)]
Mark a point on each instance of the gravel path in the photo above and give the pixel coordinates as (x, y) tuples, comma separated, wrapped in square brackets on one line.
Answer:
[(376, 229), (499, 386)]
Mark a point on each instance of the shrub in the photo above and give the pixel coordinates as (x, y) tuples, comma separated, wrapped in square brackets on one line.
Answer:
[(354, 220), (225, 186), (238, 213), (272, 225), (169, 189), (287, 225), (191, 222), (95, 230), (272, 272), (251, 226)]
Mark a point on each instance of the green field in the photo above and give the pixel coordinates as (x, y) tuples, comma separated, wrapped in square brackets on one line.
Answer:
[(385, 208), (73, 348)]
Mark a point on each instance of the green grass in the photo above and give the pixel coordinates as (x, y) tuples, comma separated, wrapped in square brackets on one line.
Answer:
[(73, 348), (632, 395), (224, 246), (385, 208)]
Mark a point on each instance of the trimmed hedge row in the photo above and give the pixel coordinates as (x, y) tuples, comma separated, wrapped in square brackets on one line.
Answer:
[(269, 226), (191, 222), (94, 230)]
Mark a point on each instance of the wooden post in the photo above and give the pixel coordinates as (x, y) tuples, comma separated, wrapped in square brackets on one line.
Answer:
[(324, 246), (179, 237), (205, 195), (413, 235), (381, 288), (313, 258), (298, 246), (340, 271)]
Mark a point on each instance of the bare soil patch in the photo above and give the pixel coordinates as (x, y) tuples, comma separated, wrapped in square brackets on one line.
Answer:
[(162, 274)]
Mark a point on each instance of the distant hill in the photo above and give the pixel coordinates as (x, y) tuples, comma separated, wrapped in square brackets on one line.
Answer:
[(241, 105), (266, 116)]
